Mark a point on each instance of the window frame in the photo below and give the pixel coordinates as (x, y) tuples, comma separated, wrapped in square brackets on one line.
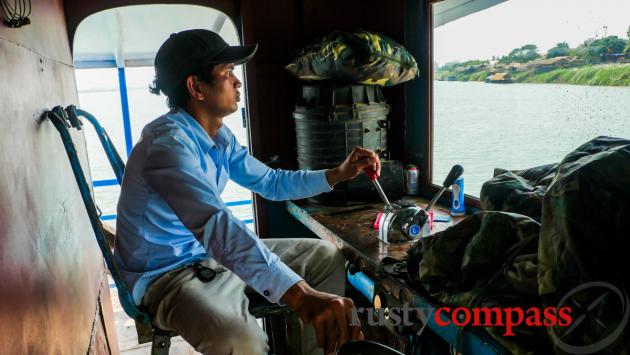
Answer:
[(426, 183)]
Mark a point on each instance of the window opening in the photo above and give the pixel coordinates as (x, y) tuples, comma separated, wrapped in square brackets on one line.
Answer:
[(521, 83), (114, 52)]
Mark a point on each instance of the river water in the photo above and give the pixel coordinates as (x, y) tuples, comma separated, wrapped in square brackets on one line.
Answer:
[(515, 126)]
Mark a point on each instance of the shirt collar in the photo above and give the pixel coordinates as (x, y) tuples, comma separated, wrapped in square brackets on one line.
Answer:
[(201, 136)]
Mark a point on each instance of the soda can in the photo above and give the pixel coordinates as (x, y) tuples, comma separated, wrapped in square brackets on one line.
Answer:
[(457, 207), (411, 179)]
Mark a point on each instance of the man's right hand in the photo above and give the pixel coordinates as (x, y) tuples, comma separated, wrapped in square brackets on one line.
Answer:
[(329, 314), (359, 159)]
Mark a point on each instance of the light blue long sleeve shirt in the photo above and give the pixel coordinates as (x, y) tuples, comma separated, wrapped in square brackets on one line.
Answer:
[(170, 212)]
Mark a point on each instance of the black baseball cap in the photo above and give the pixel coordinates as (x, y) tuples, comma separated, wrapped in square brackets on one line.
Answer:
[(186, 52)]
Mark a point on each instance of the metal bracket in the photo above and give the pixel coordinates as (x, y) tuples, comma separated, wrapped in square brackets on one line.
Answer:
[(161, 343)]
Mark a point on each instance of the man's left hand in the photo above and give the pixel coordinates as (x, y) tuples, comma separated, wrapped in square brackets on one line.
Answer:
[(359, 159)]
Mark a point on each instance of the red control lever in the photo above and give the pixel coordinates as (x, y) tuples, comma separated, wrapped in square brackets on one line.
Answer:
[(371, 173)]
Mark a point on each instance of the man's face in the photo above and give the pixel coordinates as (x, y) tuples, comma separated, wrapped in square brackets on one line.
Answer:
[(222, 95)]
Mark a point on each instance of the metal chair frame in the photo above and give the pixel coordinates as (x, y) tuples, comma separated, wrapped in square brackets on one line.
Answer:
[(274, 315)]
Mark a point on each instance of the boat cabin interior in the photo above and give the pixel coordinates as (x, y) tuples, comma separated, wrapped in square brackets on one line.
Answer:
[(512, 238)]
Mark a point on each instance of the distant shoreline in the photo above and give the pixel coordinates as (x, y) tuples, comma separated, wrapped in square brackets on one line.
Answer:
[(616, 74)]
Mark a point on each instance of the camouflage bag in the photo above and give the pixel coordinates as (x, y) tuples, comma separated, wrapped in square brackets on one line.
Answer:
[(359, 57), (518, 191)]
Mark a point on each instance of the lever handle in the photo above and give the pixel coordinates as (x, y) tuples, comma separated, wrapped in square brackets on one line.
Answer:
[(454, 174), (371, 173)]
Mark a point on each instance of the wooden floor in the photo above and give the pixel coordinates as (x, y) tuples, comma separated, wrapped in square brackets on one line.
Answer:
[(128, 339)]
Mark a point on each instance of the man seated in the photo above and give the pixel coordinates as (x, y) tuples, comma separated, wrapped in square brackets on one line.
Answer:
[(176, 237)]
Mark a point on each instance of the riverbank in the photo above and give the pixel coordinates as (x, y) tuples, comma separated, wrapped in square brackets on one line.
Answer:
[(597, 75), (592, 75)]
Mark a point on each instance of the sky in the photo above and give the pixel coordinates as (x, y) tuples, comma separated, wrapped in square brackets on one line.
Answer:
[(511, 24)]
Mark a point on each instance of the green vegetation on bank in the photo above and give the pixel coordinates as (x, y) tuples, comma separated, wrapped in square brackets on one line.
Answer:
[(603, 61), (597, 75), (600, 75)]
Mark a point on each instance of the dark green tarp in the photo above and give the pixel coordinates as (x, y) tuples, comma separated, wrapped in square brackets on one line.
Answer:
[(575, 257), (519, 191), (585, 238), (487, 260)]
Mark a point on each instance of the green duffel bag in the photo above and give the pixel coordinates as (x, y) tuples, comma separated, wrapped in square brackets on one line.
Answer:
[(359, 57)]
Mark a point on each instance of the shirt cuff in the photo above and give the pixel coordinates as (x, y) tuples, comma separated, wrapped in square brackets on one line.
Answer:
[(276, 281), (320, 182)]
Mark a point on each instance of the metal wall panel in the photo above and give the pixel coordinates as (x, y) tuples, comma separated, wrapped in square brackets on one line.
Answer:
[(51, 270)]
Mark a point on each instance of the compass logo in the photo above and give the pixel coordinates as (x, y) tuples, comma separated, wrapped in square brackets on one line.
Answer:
[(586, 302)]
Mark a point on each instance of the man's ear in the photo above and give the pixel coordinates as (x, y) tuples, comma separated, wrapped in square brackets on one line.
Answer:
[(192, 85)]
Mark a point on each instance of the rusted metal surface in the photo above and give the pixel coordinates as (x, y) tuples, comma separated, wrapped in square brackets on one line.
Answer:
[(352, 230), (50, 266), (107, 317), (98, 339), (473, 340)]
